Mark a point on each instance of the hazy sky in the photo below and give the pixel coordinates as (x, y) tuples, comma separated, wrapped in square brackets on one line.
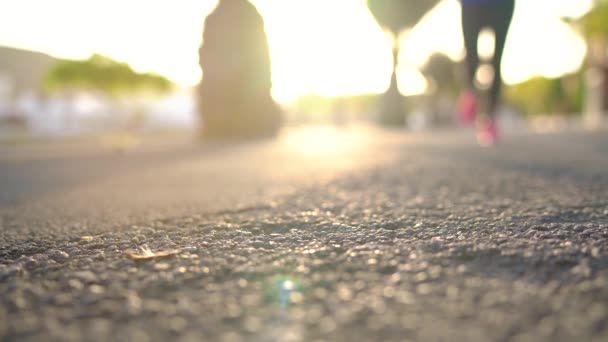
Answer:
[(329, 47)]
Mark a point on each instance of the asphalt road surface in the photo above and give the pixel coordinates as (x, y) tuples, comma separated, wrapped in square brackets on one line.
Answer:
[(324, 234)]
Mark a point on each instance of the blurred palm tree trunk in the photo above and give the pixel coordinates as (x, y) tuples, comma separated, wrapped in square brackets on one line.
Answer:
[(595, 83), (395, 16), (393, 111), (593, 26)]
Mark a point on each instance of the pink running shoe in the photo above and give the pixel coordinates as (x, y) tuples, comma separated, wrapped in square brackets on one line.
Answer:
[(487, 133), (467, 108)]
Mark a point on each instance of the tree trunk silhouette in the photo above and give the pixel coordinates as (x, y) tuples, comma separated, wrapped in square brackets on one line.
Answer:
[(234, 95), (395, 16), (393, 111)]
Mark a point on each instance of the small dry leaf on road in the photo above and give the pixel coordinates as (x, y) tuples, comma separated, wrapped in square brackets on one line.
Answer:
[(89, 238), (145, 253)]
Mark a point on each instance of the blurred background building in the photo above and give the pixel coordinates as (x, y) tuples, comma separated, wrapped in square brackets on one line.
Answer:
[(22, 76)]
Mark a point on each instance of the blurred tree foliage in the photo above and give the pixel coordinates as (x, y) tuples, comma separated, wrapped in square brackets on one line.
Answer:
[(565, 94), (441, 72), (540, 95), (103, 74), (398, 15), (595, 22)]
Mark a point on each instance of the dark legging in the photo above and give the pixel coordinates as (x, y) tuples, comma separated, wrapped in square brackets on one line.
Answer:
[(497, 17)]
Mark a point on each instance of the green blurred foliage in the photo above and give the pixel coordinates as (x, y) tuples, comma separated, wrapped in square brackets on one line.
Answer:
[(565, 94), (540, 95), (441, 73), (101, 73), (398, 15), (595, 22)]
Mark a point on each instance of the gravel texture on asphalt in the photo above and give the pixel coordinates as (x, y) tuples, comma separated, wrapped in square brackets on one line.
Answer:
[(444, 242)]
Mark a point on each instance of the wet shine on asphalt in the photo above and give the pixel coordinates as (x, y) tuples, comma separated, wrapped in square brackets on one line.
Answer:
[(323, 235)]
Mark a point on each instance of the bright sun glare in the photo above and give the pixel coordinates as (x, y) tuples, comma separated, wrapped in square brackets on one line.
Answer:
[(325, 47)]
